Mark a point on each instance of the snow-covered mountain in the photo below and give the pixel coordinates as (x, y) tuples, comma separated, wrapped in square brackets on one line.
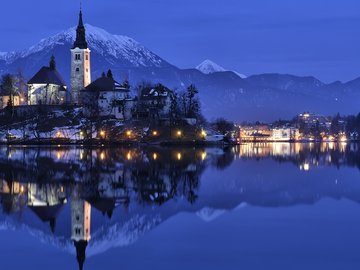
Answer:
[(101, 42), (223, 93), (209, 67)]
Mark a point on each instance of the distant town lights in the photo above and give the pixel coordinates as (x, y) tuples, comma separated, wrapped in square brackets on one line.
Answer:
[(102, 134), (179, 133), (154, 133)]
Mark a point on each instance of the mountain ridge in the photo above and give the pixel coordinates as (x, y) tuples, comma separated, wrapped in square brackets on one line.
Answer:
[(262, 97)]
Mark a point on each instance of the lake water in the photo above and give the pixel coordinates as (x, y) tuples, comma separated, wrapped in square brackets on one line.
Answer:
[(254, 206)]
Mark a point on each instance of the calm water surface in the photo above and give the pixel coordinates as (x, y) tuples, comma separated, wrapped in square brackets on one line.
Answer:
[(254, 206)]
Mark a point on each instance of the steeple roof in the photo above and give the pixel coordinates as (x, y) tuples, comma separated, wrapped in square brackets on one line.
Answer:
[(47, 76), (80, 252), (80, 41)]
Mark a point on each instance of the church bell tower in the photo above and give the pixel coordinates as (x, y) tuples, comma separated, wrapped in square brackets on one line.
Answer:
[(80, 63)]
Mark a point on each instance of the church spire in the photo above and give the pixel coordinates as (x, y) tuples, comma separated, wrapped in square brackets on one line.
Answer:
[(81, 252), (80, 41)]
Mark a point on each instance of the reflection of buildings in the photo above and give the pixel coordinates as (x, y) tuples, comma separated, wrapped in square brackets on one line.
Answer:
[(142, 179), (80, 224), (46, 201), (12, 196)]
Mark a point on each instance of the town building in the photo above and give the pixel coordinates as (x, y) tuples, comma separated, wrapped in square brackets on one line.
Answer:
[(285, 134), (105, 97), (153, 102), (47, 87), (80, 63), (312, 120), (256, 133)]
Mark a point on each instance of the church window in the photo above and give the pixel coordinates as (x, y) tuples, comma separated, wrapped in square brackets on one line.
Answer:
[(87, 70), (77, 231), (77, 217), (77, 69), (87, 57), (77, 56)]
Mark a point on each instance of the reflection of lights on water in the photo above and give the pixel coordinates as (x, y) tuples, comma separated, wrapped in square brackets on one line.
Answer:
[(305, 167), (203, 155), (343, 146), (22, 189), (331, 145), (58, 155), (102, 156), (61, 189), (179, 156), (128, 156), (155, 156), (81, 156)]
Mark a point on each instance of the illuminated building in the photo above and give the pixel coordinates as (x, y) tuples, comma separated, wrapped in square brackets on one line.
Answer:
[(46, 201), (47, 87)]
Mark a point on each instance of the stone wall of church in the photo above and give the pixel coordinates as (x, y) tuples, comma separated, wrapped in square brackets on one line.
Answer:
[(80, 73), (46, 94)]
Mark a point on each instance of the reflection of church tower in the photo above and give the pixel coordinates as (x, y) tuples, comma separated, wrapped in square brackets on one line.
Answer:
[(80, 225), (80, 63)]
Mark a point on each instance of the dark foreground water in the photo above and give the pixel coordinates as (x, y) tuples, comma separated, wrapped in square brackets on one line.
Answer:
[(262, 206)]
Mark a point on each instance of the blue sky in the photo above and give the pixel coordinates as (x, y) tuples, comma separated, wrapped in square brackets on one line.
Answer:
[(301, 37)]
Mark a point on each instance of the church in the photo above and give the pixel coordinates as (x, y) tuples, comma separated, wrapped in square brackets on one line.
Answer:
[(47, 87)]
